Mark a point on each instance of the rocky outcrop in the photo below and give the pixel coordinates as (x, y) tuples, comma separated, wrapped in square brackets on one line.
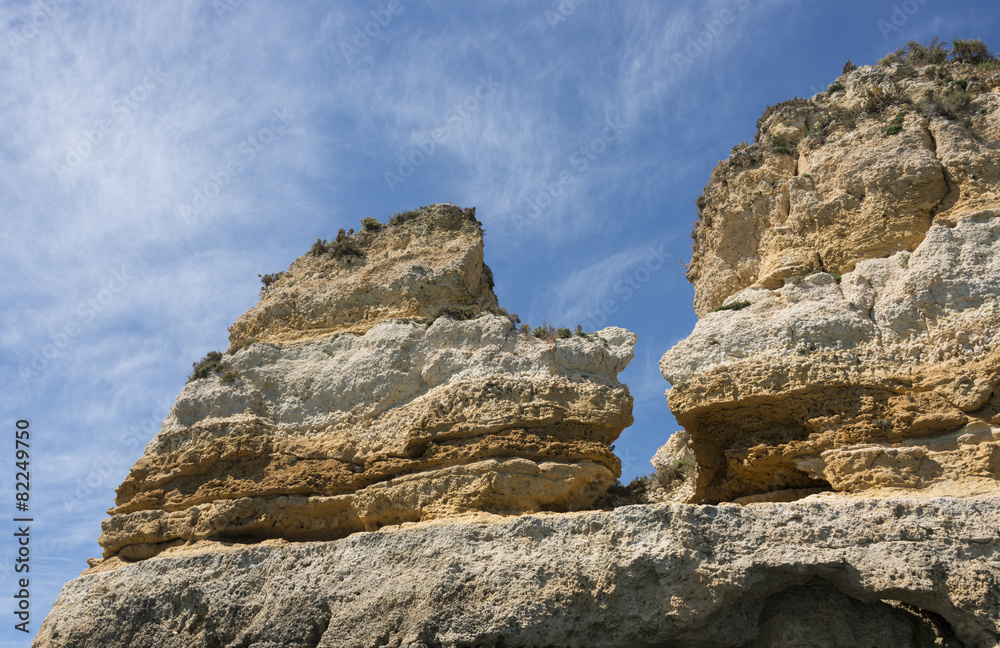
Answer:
[(869, 574), (848, 281), (861, 172), (344, 412)]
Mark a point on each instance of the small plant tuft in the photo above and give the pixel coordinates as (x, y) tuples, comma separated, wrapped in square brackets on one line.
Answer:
[(230, 376), (879, 98), (834, 88), (545, 331), (972, 51), (849, 67), (401, 217), (680, 469), (268, 279), (847, 117), (344, 245), (564, 333), (740, 305), (210, 364), (370, 224), (919, 55), (619, 494), (899, 56), (952, 102), (896, 126), (318, 248), (883, 423), (457, 313)]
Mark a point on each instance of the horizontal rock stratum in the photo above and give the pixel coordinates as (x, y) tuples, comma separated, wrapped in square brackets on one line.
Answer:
[(374, 388), (847, 274), (869, 574)]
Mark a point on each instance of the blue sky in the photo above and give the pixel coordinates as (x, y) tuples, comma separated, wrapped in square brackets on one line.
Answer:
[(156, 157)]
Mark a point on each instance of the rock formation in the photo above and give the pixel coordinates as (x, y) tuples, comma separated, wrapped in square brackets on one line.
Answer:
[(847, 274), (863, 574), (381, 459), (377, 383)]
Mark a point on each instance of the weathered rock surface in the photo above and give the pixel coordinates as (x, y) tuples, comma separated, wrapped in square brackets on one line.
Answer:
[(863, 272), (869, 573), (825, 186), (409, 270), (333, 422)]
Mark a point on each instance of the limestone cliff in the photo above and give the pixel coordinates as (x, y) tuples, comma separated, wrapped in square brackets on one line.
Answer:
[(866, 574), (372, 386), (847, 275)]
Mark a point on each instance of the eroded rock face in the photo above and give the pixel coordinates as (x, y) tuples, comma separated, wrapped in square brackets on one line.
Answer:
[(825, 186), (413, 269), (869, 573), (856, 350), (335, 421)]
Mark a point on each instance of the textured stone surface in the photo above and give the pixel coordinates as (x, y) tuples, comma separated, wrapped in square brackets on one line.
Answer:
[(864, 269), (408, 270), (332, 424), (816, 573), (902, 350), (844, 194)]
